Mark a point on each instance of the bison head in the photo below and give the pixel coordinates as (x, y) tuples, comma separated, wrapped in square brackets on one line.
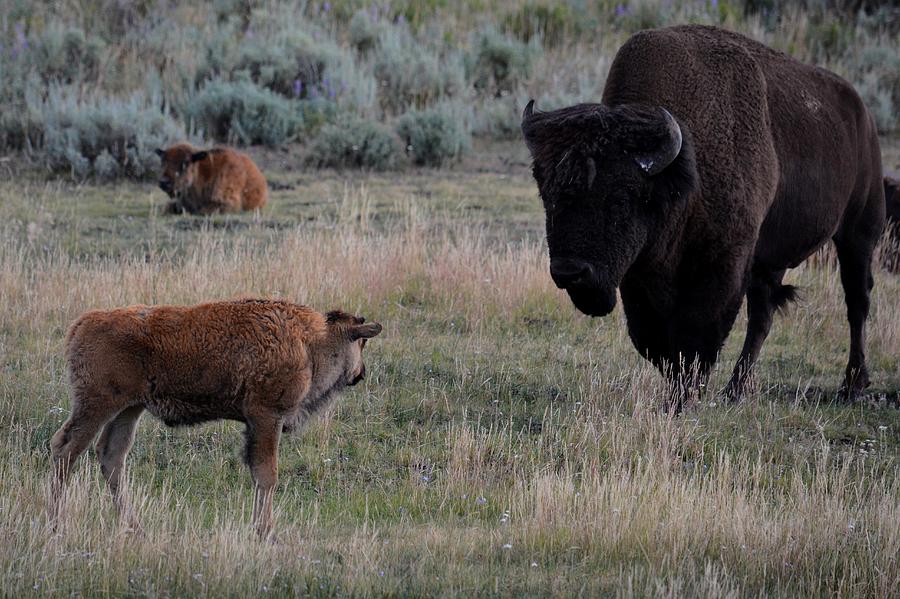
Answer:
[(348, 334), (179, 172), (608, 177)]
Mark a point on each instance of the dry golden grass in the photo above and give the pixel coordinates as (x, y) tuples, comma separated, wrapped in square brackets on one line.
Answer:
[(502, 444)]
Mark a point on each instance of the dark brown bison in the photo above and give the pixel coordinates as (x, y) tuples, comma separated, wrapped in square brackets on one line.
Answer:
[(270, 364), (210, 181), (712, 165)]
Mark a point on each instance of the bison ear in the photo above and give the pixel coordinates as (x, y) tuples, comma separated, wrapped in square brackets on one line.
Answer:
[(160, 152), (655, 161), (198, 156), (364, 331)]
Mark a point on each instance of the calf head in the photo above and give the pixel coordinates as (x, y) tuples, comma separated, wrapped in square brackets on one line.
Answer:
[(346, 338), (179, 168), (608, 178)]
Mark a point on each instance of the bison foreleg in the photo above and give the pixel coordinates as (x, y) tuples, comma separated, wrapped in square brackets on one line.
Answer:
[(263, 434)]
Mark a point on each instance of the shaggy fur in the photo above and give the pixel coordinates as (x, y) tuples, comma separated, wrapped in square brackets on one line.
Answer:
[(209, 181), (270, 364), (776, 158)]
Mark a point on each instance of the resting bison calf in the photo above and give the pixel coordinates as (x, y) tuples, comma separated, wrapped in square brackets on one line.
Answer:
[(712, 165), (208, 181), (269, 364)]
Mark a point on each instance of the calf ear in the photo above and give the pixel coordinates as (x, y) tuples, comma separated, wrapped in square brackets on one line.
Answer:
[(365, 331), (160, 152), (198, 156)]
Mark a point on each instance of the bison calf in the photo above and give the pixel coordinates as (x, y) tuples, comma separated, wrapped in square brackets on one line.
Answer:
[(270, 364), (209, 181)]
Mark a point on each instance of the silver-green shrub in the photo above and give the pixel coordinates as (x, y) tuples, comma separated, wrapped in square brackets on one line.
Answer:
[(356, 143), (410, 75), (243, 112), (497, 64), (435, 136), (101, 135)]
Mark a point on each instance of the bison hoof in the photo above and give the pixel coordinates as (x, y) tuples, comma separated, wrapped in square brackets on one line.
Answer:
[(854, 385)]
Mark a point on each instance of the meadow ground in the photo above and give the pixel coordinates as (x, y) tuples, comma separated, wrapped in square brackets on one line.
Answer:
[(502, 444)]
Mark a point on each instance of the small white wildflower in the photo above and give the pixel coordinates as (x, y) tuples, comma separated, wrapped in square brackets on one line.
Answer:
[(507, 546), (534, 564)]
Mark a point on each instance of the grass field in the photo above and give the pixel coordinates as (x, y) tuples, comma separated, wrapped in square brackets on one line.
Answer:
[(502, 444)]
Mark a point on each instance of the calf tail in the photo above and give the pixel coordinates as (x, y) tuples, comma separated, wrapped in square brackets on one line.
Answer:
[(782, 295)]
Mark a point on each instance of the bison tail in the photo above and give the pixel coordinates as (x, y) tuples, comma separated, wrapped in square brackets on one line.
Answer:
[(782, 295)]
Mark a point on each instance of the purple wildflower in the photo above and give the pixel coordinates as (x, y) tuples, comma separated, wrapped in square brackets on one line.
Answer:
[(326, 7), (298, 88), (21, 40), (622, 10)]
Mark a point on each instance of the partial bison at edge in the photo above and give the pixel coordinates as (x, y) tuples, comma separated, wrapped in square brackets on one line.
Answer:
[(270, 364), (712, 165)]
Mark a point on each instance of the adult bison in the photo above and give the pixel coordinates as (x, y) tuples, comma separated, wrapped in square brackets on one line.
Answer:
[(712, 165)]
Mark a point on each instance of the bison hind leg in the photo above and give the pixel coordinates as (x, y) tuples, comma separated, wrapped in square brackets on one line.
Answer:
[(112, 448), (857, 280)]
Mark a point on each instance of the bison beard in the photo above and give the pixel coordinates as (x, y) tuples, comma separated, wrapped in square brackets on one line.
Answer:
[(712, 166)]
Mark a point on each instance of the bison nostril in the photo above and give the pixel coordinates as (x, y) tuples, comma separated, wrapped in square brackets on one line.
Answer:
[(570, 273)]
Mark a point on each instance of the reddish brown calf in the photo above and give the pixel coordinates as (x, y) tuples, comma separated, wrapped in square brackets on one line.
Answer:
[(209, 181), (270, 364)]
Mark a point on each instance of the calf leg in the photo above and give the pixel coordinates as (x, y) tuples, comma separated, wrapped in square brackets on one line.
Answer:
[(263, 433), (764, 295), (855, 257), (112, 449), (69, 443)]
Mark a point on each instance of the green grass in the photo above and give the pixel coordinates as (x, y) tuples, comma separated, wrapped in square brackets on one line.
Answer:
[(493, 414)]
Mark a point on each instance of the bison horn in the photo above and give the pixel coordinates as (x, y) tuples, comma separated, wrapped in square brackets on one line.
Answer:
[(655, 162), (529, 110)]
